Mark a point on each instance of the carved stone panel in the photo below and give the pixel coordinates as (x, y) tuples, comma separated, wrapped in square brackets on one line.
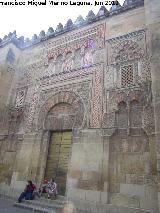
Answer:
[(62, 110), (77, 59), (51, 68), (87, 59), (20, 97), (33, 106), (97, 98), (127, 47), (58, 62), (68, 62), (61, 116)]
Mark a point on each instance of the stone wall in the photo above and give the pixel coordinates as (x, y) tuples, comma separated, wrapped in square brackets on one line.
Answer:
[(9, 143), (96, 81)]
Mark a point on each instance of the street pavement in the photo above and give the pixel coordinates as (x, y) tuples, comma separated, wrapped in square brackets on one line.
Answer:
[(6, 206)]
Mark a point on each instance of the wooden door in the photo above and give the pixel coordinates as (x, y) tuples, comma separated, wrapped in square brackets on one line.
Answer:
[(58, 158)]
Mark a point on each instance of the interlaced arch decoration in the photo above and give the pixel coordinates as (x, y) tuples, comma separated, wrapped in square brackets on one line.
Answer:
[(128, 50), (128, 47), (54, 105)]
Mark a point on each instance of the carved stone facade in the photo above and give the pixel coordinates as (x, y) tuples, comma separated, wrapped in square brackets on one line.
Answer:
[(96, 82)]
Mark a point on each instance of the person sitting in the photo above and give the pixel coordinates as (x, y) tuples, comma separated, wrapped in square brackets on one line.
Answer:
[(52, 189), (43, 188), (28, 192)]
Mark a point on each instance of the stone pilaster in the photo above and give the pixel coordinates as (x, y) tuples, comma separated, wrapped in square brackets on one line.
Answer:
[(152, 12)]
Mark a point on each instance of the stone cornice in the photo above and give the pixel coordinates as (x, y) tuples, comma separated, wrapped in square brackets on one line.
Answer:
[(48, 80)]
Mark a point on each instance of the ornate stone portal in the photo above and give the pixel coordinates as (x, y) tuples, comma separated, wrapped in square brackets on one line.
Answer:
[(76, 104)]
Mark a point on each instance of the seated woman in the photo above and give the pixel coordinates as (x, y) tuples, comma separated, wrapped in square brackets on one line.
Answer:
[(52, 189), (28, 192), (43, 188)]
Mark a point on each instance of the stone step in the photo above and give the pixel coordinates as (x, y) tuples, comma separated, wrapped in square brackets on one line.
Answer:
[(60, 197), (34, 208), (52, 204), (51, 201), (43, 205)]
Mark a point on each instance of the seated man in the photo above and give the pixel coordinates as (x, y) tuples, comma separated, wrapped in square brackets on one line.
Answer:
[(28, 192), (52, 189)]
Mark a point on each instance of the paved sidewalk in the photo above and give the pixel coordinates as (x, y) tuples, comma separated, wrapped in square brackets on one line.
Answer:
[(6, 206)]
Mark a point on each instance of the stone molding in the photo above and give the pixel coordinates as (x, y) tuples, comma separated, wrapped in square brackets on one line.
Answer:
[(67, 75)]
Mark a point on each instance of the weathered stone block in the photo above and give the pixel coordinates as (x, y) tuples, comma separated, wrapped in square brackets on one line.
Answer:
[(106, 186), (77, 174), (93, 195), (125, 200), (71, 183), (104, 197), (150, 198), (76, 194), (132, 189)]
